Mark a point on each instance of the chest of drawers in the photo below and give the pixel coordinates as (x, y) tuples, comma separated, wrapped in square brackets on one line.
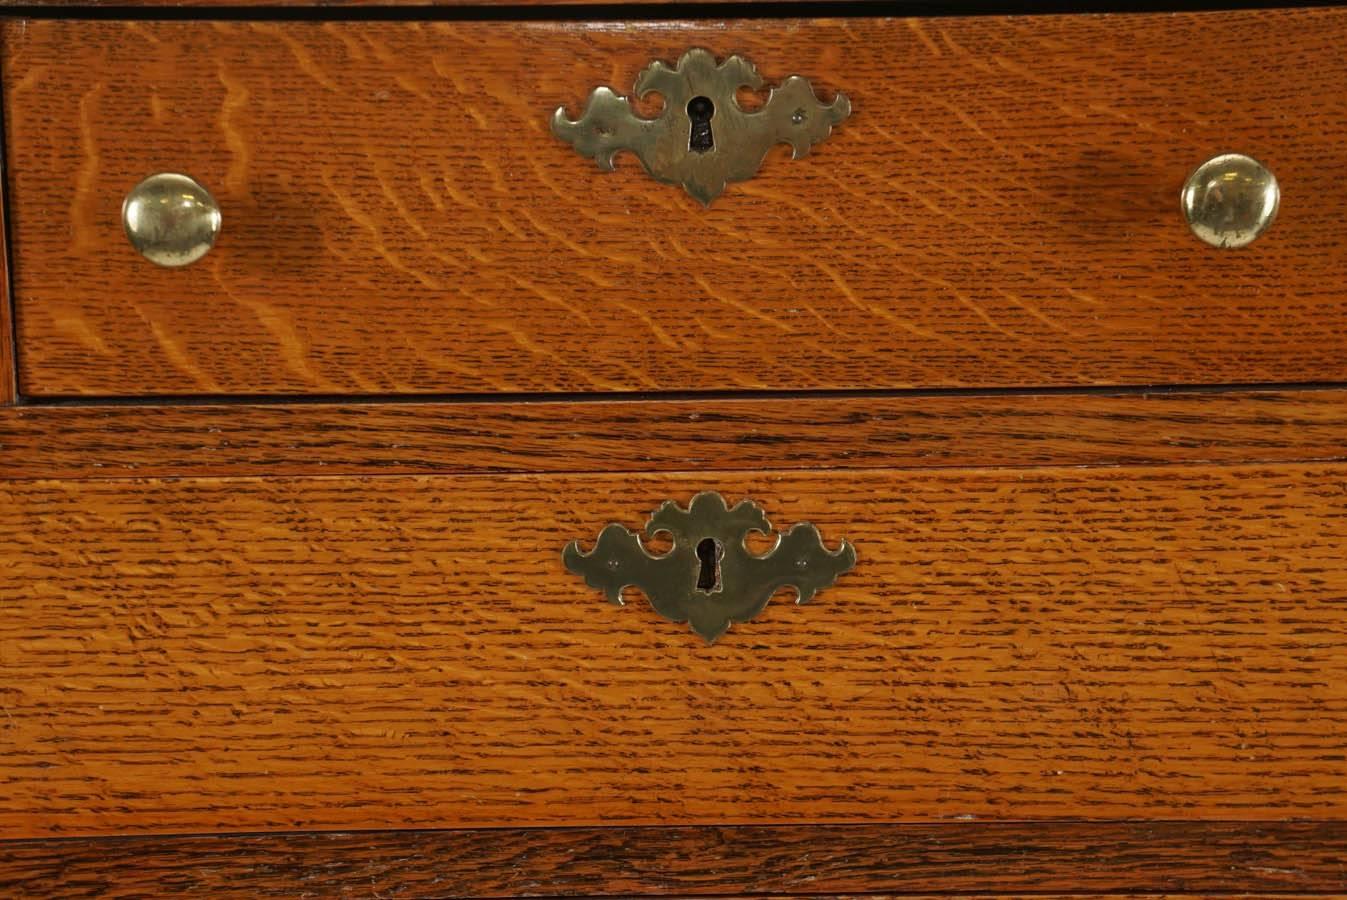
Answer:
[(305, 546)]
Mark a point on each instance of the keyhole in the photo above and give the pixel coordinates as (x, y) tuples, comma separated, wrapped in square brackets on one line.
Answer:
[(700, 111), (709, 552)]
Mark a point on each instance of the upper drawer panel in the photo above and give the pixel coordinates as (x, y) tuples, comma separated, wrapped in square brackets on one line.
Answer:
[(1000, 210)]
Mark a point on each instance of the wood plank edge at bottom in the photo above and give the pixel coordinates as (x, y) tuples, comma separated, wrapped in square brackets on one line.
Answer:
[(1095, 857), (808, 433)]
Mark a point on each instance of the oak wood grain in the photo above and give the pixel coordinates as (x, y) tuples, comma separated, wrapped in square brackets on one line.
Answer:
[(192, 655), (1230, 857), (1001, 209), (950, 857), (9, 389), (668, 435), (8, 372)]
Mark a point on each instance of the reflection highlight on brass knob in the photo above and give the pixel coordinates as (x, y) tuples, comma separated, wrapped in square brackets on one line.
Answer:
[(1230, 200), (171, 219)]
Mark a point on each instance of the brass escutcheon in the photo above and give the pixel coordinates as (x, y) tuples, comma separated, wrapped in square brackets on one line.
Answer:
[(702, 138), (709, 578)]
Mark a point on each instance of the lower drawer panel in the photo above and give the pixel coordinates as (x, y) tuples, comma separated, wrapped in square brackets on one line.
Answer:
[(248, 654)]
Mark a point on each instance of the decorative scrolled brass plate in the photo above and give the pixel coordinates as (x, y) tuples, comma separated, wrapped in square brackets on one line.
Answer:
[(709, 578), (702, 139)]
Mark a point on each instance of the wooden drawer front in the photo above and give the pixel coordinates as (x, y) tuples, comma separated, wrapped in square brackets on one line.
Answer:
[(1000, 210), (239, 654), (1138, 860)]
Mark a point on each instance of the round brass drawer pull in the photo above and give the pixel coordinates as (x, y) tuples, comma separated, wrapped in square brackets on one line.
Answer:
[(171, 219), (1230, 200)]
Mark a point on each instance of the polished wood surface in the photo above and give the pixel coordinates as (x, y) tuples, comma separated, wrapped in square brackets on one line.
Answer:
[(1180, 427), (192, 655), (8, 380), (960, 858), (1001, 209), (8, 364)]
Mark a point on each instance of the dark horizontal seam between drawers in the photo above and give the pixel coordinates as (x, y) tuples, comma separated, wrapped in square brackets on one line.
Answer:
[(904, 892), (1215, 826), (710, 9), (337, 472), (679, 396)]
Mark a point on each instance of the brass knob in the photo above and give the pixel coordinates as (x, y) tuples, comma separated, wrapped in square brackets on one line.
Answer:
[(170, 219), (1230, 200)]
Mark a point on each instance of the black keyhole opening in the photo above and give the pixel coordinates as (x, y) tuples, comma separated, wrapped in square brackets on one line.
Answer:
[(700, 111), (709, 552)]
